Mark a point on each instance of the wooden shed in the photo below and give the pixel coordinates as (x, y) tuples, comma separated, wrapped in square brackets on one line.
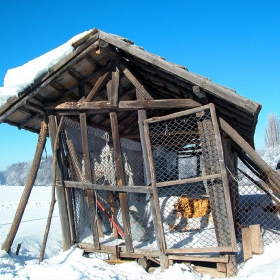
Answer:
[(145, 152)]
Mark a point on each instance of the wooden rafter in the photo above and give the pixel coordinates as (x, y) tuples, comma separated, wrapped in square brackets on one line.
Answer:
[(135, 80)]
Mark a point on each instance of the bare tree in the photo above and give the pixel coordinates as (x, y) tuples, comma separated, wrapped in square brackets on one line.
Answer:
[(272, 131)]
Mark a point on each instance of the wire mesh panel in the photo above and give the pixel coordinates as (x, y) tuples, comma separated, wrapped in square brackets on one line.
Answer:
[(255, 203), (106, 205), (190, 188)]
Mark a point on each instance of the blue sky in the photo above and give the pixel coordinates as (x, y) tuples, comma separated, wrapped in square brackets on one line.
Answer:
[(234, 43)]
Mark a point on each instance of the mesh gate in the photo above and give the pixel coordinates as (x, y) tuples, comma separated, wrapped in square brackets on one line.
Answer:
[(191, 191)]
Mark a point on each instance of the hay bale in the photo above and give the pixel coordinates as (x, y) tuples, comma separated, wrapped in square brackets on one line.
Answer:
[(192, 207)]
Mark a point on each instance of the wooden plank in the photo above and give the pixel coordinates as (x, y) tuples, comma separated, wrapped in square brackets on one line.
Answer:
[(135, 80), (98, 85), (222, 267), (246, 243), (27, 189), (199, 250), (213, 272), (199, 259), (222, 92), (256, 239), (188, 181), (224, 176), (60, 190), (232, 266), (129, 189), (120, 179), (88, 177), (270, 172), (154, 202)]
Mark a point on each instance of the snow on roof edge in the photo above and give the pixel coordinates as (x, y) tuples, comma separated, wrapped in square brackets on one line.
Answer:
[(19, 78)]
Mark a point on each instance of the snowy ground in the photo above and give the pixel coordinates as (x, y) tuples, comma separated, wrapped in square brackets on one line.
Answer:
[(72, 265)]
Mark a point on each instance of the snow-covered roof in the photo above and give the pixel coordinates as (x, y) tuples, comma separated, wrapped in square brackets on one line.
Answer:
[(55, 77)]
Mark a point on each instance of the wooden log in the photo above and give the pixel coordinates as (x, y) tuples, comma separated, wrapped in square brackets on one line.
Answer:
[(154, 202), (270, 172), (27, 189), (120, 180), (246, 243), (256, 239), (60, 190)]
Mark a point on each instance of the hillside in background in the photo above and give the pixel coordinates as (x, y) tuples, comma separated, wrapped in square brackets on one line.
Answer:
[(16, 174)]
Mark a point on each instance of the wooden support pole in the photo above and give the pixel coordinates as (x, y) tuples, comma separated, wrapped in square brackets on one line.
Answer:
[(142, 116), (27, 189), (120, 180), (60, 190), (53, 200), (88, 177)]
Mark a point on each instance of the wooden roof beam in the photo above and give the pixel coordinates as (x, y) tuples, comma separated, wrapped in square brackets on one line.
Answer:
[(29, 119), (135, 80), (199, 92), (127, 105), (224, 93), (98, 85)]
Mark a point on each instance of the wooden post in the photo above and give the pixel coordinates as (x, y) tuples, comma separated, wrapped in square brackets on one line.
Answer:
[(27, 189), (90, 193), (60, 190), (142, 116), (120, 179), (155, 208), (224, 177), (211, 163)]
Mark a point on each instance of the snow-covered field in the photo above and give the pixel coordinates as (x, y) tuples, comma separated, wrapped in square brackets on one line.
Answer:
[(72, 264)]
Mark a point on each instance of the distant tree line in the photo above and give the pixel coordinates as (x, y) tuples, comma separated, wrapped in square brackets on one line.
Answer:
[(16, 174)]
